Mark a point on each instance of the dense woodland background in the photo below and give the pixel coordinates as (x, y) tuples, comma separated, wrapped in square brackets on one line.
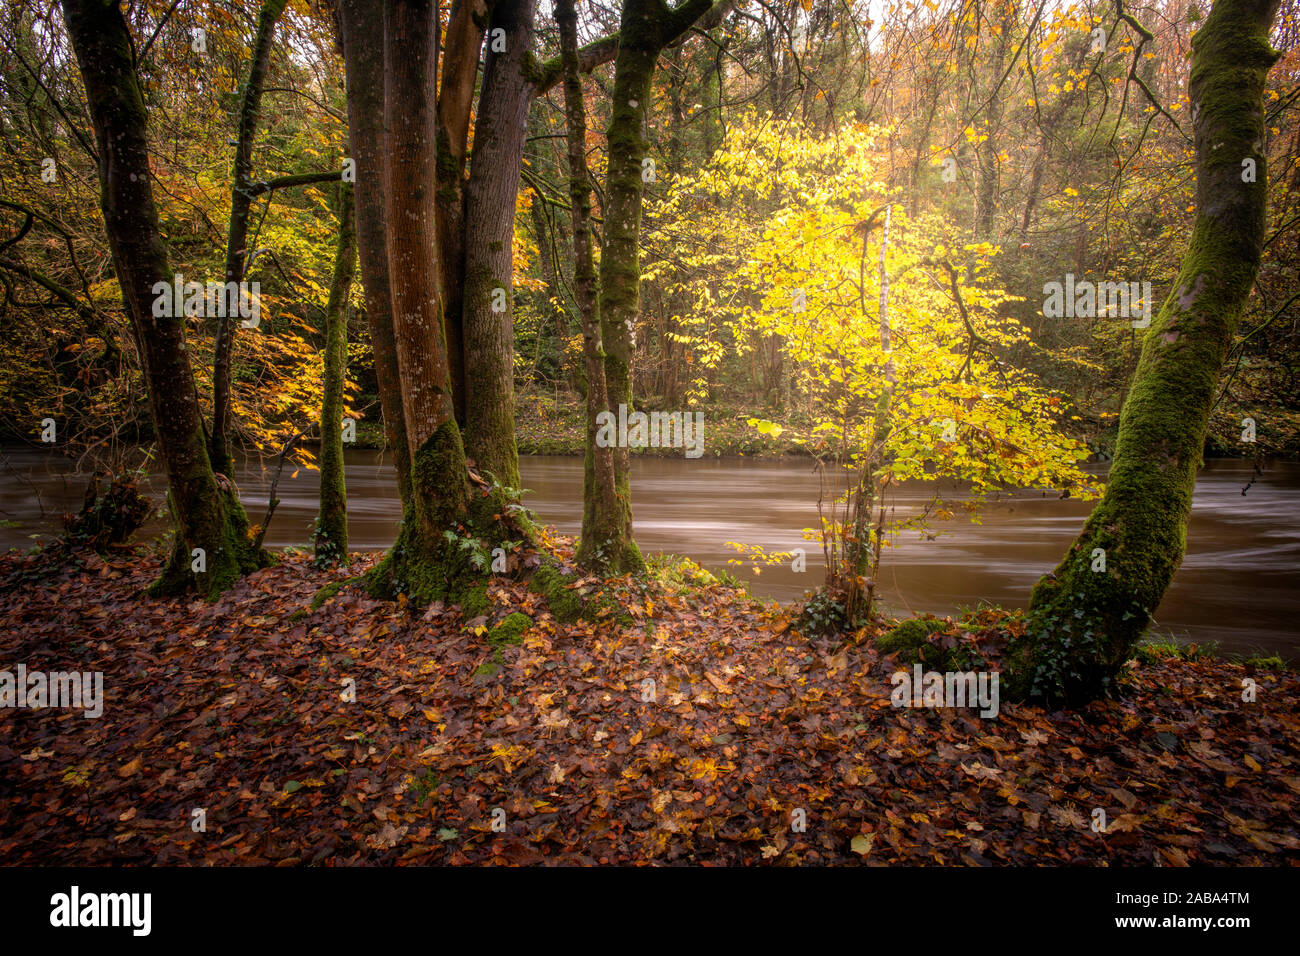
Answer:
[(1066, 160), (829, 228), (824, 228)]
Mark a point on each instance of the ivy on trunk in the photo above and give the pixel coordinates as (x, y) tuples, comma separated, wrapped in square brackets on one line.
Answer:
[(1084, 623)]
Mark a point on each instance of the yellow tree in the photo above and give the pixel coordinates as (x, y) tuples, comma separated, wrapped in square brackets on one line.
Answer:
[(898, 341)]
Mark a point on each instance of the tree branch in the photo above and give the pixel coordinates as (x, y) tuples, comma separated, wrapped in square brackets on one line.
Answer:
[(288, 182)]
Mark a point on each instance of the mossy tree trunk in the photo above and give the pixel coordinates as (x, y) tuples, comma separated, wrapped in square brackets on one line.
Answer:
[(488, 287), (466, 21), (208, 517), (426, 562), (470, 251), (645, 29), (392, 122), (331, 538), (363, 53), (598, 492), (1083, 623), (241, 202), (419, 561)]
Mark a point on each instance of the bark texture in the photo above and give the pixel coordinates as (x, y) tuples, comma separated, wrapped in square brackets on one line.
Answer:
[(646, 28), (207, 516), (1083, 623), (363, 54), (598, 493), (464, 38), (330, 541), (241, 202), (489, 242), (429, 560)]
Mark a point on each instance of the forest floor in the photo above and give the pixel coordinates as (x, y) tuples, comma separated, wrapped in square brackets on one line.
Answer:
[(227, 737)]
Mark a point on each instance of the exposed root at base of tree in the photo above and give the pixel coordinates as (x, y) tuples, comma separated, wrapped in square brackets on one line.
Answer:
[(701, 727)]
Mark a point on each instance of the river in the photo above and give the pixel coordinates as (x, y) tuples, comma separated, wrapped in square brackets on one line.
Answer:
[(1239, 584)]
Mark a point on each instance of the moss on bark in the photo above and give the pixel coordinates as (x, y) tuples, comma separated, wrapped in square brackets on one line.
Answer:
[(423, 564), (607, 523), (222, 533), (449, 521), (330, 541), (569, 604), (207, 514), (1086, 617)]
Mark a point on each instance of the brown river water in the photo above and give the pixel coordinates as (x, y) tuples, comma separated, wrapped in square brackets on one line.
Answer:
[(1239, 584)]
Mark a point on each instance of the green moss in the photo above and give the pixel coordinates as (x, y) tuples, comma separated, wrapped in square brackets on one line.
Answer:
[(474, 602), (913, 641), (422, 563), (1083, 624), (568, 604), (1271, 663), (497, 518), (220, 528), (565, 603), (510, 631), (908, 635), (327, 592), (423, 570)]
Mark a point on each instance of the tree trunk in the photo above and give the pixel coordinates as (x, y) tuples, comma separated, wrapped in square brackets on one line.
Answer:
[(1083, 623), (598, 493), (363, 53), (610, 534), (465, 25), (208, 518), (646, 27), (426, 562), (987, 152), (241, 201), (489, 244), (862, 549), (548, 240), (331, 538)]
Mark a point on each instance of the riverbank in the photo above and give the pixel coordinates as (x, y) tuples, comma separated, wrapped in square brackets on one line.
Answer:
[(1238, 584), (553, 424), (694, 724)]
